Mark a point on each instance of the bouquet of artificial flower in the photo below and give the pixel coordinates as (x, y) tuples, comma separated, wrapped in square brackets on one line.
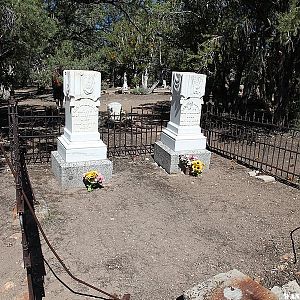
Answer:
[(191, 164), (93, 180)]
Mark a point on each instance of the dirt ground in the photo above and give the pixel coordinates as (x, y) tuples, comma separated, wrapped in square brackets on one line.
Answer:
[(28, 97), (154, 235), (151, 234)]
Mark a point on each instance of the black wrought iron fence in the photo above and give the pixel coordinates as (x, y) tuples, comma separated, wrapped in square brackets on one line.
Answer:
[(255, 142), (38, 131), (251, 139), (131, 133), (128, 133)]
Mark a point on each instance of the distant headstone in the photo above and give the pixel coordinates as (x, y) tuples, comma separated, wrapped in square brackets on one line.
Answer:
[(80, 148), (114, 110), (145, 79), (4, 92), (164, 83), (183, 134), (241, 90), (125, 85)]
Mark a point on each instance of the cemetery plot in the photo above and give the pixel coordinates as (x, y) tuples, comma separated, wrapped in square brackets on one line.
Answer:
[(270, 148), (154, 235)]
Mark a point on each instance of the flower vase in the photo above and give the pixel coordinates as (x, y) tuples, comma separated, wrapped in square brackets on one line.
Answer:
[(187, 170)]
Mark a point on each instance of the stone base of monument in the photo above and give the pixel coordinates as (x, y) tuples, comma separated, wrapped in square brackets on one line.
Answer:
[(70, 174), (169, 159)]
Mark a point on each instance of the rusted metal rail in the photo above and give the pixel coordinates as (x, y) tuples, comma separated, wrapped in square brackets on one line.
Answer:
[(31, 245), (32, 252)]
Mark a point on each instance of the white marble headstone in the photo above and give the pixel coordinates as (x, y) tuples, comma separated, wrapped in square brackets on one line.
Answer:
[(81, 139), (188, 90), (183, 131)]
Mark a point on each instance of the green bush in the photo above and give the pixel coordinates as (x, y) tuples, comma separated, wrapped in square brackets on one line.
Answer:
[(139, 91)]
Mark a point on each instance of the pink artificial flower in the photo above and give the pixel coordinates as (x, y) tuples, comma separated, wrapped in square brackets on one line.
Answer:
[(100, 178), (192, 157)]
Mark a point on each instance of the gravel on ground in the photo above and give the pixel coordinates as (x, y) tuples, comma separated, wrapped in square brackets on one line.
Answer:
[(152, 234)]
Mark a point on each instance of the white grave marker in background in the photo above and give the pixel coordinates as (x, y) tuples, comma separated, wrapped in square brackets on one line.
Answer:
[(125, 85), (114, 110)]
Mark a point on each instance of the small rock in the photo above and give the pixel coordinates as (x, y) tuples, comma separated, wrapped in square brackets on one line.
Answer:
[(42, 213), (266, 178), (291, 290), (7, 286), (292, 287), (16, 236), (16, 223), (253, 173), (23, 296), (232, 293), (287, 256), (281, 267), (258, 279), (277, 291)]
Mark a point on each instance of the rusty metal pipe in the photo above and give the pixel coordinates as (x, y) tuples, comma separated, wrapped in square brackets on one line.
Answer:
[(125, 297)]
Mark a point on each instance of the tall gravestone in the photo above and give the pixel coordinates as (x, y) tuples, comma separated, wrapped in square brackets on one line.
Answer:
[(145, 79), (80, 148), (183, 135), (125, 85)]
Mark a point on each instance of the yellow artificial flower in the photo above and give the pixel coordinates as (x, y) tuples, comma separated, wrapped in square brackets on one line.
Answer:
[(91, 175), (197, 166)]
